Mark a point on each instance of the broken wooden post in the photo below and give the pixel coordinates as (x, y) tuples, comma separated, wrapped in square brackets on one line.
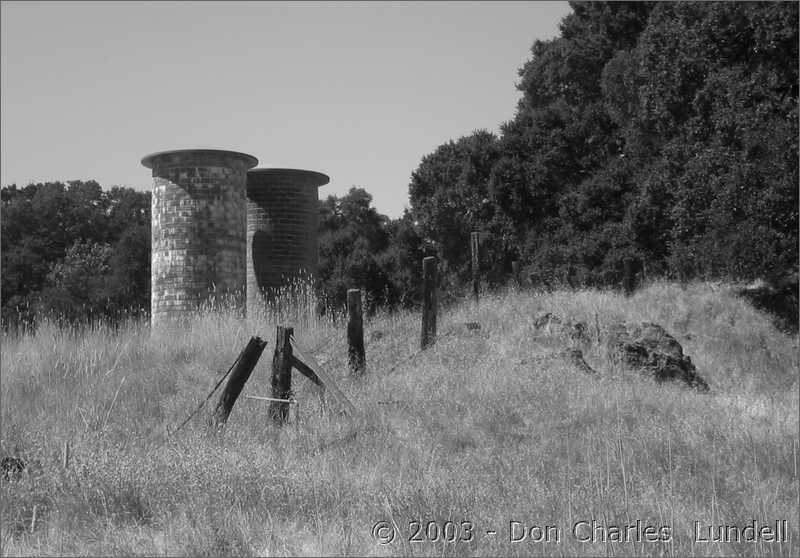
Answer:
[(281, 374), (240, 374), (474, 246), (355, 333), (428, 337)]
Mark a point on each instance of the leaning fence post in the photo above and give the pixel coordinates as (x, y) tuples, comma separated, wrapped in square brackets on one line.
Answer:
[(281, 374), (474, 246), (355, 333), (428, 302), (239, 375)]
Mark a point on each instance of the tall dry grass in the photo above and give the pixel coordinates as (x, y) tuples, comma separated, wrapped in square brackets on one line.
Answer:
[(485, 427)]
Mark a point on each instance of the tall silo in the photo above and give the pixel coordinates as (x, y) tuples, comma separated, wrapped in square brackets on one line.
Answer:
[(282, 222), (199, 229)]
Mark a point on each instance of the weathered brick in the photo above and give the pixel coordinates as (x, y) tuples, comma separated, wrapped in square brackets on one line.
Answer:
[(198, 228), (282, 221)]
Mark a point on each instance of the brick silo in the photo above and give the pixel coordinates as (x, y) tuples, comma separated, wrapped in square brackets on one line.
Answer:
[(199, 229), (282, 221)]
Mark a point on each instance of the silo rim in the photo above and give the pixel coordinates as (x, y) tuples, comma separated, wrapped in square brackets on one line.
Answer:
[(321, 178), (250, 161)]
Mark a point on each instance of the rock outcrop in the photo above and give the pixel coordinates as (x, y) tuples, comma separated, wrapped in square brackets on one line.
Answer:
[(647, 348), (653, 351), (574, 357), (576, 331)]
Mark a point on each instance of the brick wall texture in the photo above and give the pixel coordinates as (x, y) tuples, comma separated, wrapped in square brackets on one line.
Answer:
[(282, 222), (199, 230)]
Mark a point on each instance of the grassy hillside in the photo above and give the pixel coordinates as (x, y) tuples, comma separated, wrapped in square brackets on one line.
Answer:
[(481, 430)]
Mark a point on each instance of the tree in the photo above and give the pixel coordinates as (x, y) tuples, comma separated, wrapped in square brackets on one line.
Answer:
[(47, 226), (666, 133), (450, 197), (352, 234)]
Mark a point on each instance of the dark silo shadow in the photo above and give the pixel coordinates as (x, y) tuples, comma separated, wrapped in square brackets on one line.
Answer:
[(261, 253)]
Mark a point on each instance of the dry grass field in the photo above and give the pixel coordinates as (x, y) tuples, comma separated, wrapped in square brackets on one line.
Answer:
[(482, 432)]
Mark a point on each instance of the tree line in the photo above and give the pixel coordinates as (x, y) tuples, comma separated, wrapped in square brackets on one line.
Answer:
[(658, 136), (662, 134), (74, 251)]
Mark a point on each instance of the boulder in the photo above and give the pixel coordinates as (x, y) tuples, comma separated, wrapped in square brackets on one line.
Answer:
[(649, 348)]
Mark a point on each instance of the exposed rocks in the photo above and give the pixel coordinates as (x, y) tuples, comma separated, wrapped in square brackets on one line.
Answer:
[(649, 348), (545, 320), (576, 331), (646, 347), (575, 358)]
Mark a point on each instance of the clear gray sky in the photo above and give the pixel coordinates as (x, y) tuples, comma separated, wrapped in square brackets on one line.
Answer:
[(360, 91)]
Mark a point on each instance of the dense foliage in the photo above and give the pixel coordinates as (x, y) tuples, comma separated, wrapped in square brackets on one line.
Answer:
[(360, 248), (74, 251), (658, 137), (664, 134)]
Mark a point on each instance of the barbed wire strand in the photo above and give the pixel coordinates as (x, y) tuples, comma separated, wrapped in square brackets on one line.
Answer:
[(216, 387), (419, 351)]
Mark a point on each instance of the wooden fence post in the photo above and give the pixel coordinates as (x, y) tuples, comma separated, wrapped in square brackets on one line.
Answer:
[(355, 333), (474, 246), (428, 302), (240, 374), (627, 279), (281, 374)]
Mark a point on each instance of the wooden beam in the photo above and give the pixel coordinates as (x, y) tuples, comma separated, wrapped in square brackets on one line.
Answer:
[(239, 376), (306, 371), (305, 358)]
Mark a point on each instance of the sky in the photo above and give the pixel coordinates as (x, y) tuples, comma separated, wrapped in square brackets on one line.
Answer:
[(358, 90)]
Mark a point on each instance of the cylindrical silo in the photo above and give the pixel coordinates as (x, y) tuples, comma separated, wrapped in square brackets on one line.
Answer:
[(199, 229), (282, 221)]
